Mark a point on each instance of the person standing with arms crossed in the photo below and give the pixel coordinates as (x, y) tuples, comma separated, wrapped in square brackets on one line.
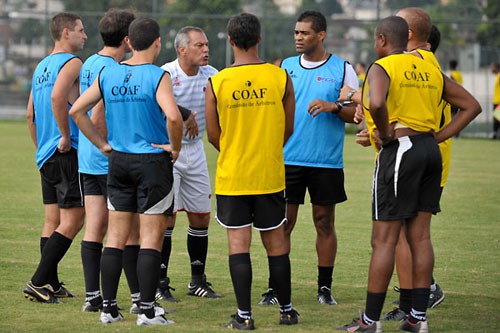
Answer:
[(189, 74), (93, 165), (314, 153), (401, 97), (54, 88), (247, 98), (139, 100)]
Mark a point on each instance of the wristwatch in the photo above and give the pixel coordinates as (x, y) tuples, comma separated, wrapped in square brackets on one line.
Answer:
[(350, 94)]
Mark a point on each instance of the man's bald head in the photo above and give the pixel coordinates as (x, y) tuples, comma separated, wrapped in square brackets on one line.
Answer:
[(418, 21)]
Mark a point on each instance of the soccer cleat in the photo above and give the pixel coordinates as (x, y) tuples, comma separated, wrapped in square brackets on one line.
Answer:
[(202, 289), (88, 307), (436, 297), (325, 296), (163, 292), (136, 309), (269, 298), (420, 327), (158, 319), (395, 315), (289, 317), (43, 294), (107, 318), (357, 325), (245, 325), (62, 292)]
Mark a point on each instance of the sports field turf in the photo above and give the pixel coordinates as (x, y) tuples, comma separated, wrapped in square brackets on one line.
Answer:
[(466, 238)]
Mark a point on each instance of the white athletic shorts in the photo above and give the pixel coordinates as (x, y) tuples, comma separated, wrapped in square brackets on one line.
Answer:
[(191, 180)]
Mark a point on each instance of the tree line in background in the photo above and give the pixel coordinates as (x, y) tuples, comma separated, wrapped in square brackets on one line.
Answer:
[(461, 22)]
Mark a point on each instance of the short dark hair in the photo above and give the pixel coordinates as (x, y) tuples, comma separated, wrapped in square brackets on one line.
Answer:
[(244, 30), (395, 30), (113, 26), (318, 20), (453, 64), (61, 21), (142, 32), (434, 38)]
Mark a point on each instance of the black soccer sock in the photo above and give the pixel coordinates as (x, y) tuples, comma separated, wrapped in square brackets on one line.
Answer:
[(165, 252), (325, 276), (374, 305), (280, 275), (111, 269), (405, 300), (197, 245), (240, 268), (130, 255), (54, 250), (420, 300), (148, 272), (43, 241), (91, 261)]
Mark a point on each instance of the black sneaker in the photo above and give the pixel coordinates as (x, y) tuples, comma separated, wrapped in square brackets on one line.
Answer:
[(163, 292), (202, 289), (436, 297), (244, 325), (289, 317), (357, 325), (395, 315), (43, 294), (93, 305), (420, 327), (62, 292), (325, 296), (269, 298)]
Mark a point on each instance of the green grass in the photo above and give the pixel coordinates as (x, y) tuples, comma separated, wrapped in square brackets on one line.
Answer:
[(466, 237)]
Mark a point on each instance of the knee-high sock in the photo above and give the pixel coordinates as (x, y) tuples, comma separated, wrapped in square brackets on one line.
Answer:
[(280, 275), (240, 268), (165, 252), (148, 272), (91, 260), (197, 245), (54, 250), (130, 256), (111, 269)]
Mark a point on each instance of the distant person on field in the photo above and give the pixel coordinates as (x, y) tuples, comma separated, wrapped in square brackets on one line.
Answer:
[(495, 69)]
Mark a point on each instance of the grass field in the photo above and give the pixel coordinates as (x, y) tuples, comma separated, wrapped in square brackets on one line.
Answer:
[(466, 237)]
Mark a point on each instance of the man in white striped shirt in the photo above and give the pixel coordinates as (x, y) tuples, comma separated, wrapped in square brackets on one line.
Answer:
[(189, 74)]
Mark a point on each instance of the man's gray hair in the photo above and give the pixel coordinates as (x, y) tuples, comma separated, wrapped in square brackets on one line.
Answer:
[(182, 37)]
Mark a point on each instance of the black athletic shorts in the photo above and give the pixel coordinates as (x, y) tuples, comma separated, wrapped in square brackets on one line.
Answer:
[(61, 182), (325, 185), (407, 178), (140, 183), (94, 184), (264, 211)]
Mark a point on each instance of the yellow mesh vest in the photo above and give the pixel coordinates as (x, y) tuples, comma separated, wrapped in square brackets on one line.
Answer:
[(445, 146), (252, 120)]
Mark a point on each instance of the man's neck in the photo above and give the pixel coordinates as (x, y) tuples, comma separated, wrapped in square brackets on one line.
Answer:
[(190, 70), (242, 57), (141, 58), (417, 45), (117, 53), (60, 47), (317, 55)]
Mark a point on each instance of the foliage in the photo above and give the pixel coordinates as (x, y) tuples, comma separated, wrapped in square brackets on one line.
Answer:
[(327, 7), (488, 33)]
